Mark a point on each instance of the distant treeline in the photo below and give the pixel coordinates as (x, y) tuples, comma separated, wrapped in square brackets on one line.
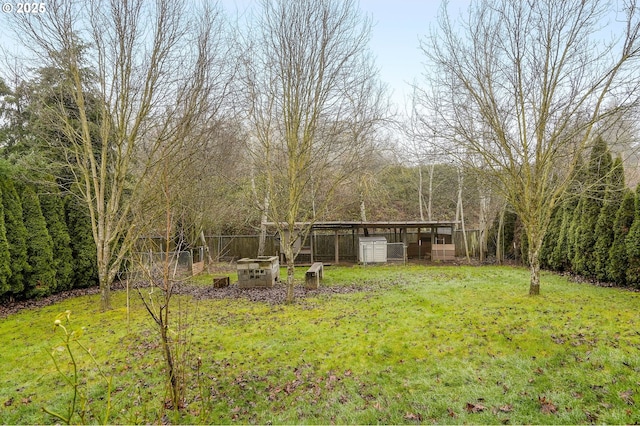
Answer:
[(46, 244), (594, 233)]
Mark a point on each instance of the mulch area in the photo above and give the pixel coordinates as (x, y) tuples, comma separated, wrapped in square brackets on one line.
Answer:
[(273, 296), (13, 306)]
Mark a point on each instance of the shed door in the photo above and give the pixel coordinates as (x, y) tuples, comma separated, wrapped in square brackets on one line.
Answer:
[(373, 252), (380, 251)]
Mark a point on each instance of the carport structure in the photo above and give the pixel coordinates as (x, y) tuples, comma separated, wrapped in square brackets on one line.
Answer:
[(434, 238)]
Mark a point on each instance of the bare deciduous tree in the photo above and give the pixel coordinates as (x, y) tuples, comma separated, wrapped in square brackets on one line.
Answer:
[(152, 71), (422, 151), (521, 87), (153, 269), (313, 102), (167, 197)]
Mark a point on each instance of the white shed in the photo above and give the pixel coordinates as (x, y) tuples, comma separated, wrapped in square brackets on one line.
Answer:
[(372, 250)]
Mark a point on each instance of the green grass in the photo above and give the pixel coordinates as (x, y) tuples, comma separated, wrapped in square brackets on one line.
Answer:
[(421, 344)]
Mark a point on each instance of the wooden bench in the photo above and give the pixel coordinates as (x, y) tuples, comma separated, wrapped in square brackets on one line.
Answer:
[(313, 276)]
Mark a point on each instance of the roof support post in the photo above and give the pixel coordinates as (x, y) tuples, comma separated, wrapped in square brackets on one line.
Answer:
[(311, 248)]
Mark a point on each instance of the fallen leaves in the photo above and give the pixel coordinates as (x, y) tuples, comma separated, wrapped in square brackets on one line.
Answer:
[(275, 295), (25, 401), (473, 408), (413, 416), (627, 396), (546, 406), (506, 408), (591, 417)]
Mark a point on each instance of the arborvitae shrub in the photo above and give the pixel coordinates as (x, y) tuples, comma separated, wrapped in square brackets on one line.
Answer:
[(40, 279), (604, 225), (598, 171), (632, 243), (83, 247), (52, 206), (5, 257), (15, 231), (570, 216), (559, 257), (617, 266), (551, 239)]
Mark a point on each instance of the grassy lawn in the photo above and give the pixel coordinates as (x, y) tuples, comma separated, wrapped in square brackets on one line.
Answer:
[(421, 344)]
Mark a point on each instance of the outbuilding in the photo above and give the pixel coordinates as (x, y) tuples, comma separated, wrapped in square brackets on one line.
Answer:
[(372, 250), (431, 240)]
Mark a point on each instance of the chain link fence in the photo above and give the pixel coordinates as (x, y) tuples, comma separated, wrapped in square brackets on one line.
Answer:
[(396, 252), (180, 263)]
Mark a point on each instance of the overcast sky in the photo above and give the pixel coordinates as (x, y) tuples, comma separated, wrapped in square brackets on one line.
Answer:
[(398, 24)]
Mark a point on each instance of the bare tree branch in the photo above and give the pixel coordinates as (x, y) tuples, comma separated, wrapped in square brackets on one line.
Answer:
[(154, 84), (314, 102), (518, 90)]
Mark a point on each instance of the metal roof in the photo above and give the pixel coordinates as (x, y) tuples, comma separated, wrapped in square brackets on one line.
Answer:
[(370, 224)]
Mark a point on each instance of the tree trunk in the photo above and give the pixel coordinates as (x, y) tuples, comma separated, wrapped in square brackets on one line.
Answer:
[(288, 252), (363, 209), (171, 373), (482, 238), (500, 237), (104, 282), (206, 248), (420, 201), (430, 193), (105, 291), (263, 227), (264, 209), (534, 267), (263, 238), (464, 231), (460, 214)]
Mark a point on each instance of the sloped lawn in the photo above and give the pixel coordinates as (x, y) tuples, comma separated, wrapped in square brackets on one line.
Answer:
[(409, 345)]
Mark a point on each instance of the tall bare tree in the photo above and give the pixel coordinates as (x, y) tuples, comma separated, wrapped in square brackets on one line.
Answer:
[(520, 87), (421, 150), (152, 69), (314, 100)]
